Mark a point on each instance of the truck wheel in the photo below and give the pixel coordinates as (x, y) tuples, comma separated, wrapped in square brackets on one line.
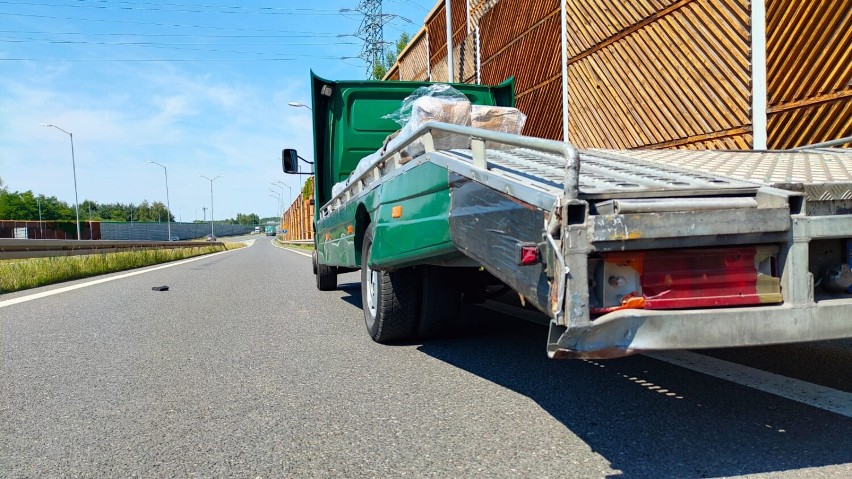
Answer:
[(441, 302), (326, 276), (314, 261), (389, 299)]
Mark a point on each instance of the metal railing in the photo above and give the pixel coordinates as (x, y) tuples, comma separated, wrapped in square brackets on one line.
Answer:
[(27, 248)]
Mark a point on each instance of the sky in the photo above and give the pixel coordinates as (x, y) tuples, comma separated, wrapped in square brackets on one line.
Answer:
[(199, 86)]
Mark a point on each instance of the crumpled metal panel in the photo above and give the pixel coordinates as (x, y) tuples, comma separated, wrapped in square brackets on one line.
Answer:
[(487, 226)]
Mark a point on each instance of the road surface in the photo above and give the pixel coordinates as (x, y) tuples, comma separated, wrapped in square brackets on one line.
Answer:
[(243, 369)]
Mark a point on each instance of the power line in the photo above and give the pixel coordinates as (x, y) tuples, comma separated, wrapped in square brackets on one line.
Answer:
[(284, 34), (149, 24), (184, 8)]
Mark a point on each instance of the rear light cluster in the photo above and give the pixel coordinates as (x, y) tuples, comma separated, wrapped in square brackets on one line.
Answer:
[(688, 278)]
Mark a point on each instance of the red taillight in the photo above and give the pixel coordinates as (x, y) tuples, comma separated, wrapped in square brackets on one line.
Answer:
[(527, 254), (690, 278)]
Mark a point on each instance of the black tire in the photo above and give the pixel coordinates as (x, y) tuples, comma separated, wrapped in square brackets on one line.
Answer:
[(326, 275), (441, 302), (390, 299)]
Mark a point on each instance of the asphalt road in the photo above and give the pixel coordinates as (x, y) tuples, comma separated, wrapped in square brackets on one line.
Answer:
[(244, 369)]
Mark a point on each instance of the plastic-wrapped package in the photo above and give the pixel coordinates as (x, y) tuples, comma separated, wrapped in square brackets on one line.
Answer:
[(497, 118), (363, 165), (438, 102)]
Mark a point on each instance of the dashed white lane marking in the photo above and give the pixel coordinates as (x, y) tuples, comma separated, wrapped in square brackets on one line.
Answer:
[(821, 397), (44, 294)]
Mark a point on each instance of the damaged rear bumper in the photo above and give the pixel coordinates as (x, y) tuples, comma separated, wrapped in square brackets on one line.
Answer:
[(626, 332)]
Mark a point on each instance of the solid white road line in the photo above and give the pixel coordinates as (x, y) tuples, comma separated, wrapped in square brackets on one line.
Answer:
[(821, 397), (274, 243), (44, 294)]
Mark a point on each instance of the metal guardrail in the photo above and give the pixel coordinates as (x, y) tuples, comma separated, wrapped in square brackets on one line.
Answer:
[(310, 242), (30, 248)]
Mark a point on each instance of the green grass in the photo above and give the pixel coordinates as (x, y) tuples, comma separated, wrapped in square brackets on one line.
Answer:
[(306, 247), (17, 275)]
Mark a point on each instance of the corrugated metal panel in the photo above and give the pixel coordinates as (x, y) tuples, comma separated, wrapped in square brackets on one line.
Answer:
[(685, 74), (809, 71)]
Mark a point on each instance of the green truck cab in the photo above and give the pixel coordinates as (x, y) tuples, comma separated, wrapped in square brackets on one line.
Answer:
[(394, 224)]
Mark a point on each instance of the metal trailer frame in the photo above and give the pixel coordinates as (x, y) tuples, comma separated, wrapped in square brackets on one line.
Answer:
[(593, 201)]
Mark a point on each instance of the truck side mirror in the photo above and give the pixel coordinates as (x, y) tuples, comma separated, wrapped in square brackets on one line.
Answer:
[(290, 160)]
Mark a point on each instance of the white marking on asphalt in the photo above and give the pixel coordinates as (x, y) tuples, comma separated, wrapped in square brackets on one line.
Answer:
[(821, 397), (44, 294), (279, 246)]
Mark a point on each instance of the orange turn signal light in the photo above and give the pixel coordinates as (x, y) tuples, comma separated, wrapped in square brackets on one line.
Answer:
[(396, 212)]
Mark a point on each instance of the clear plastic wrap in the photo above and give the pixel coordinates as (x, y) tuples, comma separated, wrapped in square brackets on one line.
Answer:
[(497, 118), (439, 102)]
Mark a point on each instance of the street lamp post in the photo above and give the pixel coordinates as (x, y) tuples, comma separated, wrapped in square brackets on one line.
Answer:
[(168, 207), (277, 204), (289, 192), (296, 104), (211, 180), (74, 170)]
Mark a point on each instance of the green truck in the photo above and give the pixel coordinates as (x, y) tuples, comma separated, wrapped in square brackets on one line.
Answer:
[(619, 251)]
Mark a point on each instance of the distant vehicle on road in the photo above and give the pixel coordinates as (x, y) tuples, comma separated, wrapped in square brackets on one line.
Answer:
[(270, 230), (174, 238), (211, 238)]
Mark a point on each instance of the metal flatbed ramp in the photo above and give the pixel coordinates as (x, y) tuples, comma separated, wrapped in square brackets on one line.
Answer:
[(605, 175), (821, 174)]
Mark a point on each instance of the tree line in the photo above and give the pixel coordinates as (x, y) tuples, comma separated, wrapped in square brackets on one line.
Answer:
[(27, 206)]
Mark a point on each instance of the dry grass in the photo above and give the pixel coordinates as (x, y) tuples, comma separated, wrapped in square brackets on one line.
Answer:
[(17, 275)]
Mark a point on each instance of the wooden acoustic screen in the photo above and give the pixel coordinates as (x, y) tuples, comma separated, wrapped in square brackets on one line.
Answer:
[(413, 62), (809, 71), (655, 73), (659, 74), (522, 40)]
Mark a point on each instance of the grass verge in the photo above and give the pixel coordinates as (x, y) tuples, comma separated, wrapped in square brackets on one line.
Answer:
[(17, 275), (306, 247)]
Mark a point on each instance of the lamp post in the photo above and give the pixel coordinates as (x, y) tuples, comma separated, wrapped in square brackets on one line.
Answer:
[(289, 192), (211, 180), (277, 204), (296, 104), (282, 185), (168, 207), (74, 170)]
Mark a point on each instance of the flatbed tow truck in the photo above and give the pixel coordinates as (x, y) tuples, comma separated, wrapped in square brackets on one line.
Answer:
[(623, 251)]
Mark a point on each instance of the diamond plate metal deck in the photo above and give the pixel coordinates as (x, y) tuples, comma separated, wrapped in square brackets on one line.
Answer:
[(822, 175)]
